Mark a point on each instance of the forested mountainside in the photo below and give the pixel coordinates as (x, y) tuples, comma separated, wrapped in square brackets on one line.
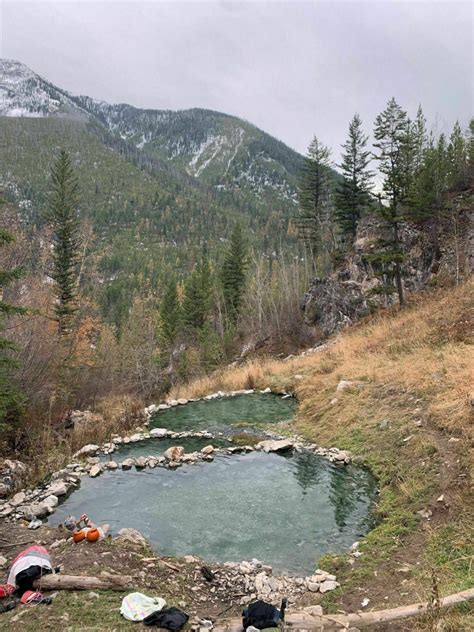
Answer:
[(157, 187)]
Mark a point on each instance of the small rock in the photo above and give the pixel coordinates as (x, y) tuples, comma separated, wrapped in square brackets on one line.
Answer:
[(95, 470), (208, 449), (365, 602), (344, 385), (314, 611), (328, 585), (35, 524), (51, 501), (58, 488), (182, 401), (440, 499), (174, 453), (141, 462), (127, 464), (3, 561), (158, 432), (425, 513), (190, 559), (18, 499)]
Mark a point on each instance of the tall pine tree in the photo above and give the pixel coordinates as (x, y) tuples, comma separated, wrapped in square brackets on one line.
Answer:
[(313, 196), (197, 300), (352, 195), (63, 217), (393, 141), (234, 273), (458, 160), (170, 313), (10, 398)]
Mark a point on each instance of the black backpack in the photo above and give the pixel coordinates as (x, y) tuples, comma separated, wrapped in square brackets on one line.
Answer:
[(263, 615)]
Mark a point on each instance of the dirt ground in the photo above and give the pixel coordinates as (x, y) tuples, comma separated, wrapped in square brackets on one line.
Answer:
[(99, 610)]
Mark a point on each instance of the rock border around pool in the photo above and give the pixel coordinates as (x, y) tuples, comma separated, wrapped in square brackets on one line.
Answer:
[(42, 501)]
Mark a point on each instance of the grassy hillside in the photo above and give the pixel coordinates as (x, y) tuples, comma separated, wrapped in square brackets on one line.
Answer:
[(410, 421)]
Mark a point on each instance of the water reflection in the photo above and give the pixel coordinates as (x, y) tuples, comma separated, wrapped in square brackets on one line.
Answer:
[(307, 470)]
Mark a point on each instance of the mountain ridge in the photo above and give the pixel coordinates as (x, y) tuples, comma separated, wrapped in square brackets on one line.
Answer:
[(157, 187), (221, 149)]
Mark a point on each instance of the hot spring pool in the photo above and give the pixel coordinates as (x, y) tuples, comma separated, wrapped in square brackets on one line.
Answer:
[(284, 510)]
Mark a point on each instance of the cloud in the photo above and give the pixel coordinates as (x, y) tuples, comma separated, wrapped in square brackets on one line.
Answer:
[(294, 69)]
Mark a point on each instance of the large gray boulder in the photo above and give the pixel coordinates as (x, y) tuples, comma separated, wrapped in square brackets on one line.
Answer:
[(275, 445), (88, 450), (58, 488), (131, 536)]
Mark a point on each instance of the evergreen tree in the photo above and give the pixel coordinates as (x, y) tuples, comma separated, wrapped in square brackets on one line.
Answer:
[(394, 141), (431, 183), (352, 194), (10, 398), (197, 300), (234, 273), (313, 196), (170, 313), (63, 218), (419, 140), (458, 160), (471, 151)]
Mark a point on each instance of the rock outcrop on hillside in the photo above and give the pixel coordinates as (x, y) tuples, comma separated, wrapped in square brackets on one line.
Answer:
[(350, 292)]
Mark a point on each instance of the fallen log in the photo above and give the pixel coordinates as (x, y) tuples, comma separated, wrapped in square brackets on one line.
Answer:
[(82, 582), (303, 620)]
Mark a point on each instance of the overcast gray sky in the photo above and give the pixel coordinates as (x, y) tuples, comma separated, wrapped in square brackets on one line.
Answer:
[(292, 68)]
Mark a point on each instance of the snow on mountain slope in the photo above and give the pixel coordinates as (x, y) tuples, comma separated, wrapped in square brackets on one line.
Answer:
[(221, 150), (24, 93)]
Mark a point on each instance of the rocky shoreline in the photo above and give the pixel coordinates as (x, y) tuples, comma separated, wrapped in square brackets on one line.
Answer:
[(254, 578)]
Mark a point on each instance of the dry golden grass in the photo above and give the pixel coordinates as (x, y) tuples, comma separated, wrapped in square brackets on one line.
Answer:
[(424, 351), (53, 449)]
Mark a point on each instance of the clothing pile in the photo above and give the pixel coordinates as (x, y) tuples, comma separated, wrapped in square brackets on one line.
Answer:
[(29, 565), (151, 611)]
